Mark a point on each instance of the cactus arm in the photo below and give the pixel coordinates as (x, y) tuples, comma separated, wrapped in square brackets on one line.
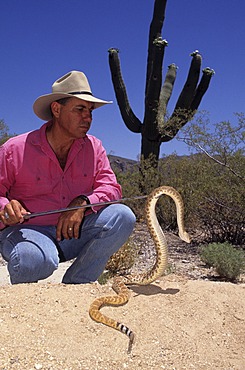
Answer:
[(202, 88), (165, 94), (182, 112), (129, 118), (179, 119), (189, 89)]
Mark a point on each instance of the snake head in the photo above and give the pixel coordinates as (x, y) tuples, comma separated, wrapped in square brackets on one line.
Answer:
[(185, 236)]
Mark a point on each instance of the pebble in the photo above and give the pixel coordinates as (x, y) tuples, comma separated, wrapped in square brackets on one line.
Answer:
[(38, 366)]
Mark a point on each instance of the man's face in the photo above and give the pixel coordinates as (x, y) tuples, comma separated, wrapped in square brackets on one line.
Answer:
[(74, 118)]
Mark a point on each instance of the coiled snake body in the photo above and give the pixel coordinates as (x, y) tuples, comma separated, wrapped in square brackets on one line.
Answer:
[(119, 283)]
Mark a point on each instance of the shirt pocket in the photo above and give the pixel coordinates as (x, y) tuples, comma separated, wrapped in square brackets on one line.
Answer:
[(27, 190)]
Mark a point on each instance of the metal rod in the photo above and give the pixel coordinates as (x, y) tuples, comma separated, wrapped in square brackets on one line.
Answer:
[(44, 213)]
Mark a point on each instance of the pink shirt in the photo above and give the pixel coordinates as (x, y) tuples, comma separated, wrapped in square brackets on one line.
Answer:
[(31, 174)]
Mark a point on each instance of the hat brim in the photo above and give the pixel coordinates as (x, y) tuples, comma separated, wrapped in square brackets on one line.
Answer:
[(41, 106)]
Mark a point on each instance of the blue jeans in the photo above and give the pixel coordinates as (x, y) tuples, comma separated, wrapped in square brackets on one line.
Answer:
[(33, 253)]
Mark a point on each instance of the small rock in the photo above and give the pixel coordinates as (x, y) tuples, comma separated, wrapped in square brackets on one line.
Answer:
[(38, 366)]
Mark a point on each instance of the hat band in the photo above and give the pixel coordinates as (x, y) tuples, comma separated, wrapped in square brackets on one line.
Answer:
[(80, 92)]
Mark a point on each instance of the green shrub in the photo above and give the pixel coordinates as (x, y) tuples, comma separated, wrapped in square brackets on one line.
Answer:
[(123, 259), (210, 253), (120, 262), (228, 261)]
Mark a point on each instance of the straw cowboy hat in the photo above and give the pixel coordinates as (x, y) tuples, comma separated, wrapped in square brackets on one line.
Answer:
[(73, 84)]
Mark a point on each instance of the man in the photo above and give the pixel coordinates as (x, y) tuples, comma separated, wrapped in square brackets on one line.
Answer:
[(59, 166)]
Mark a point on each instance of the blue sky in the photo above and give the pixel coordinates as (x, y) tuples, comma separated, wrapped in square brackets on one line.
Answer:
[(42, 40)]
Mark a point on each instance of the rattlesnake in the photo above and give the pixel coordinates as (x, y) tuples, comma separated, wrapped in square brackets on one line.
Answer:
[(119, 283)]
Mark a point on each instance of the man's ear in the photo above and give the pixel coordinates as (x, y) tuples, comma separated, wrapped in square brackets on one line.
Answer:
[(55, 108)]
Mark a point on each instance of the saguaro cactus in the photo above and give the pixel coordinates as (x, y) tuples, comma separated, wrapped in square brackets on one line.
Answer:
[(156, 128)]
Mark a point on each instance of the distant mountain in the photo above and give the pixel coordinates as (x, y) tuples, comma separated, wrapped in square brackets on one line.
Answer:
[(120, 164)]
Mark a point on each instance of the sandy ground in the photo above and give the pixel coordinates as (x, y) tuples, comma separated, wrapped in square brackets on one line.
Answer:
[(179, 324)]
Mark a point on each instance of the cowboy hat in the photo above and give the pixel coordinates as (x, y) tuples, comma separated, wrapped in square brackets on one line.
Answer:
[(73, 84)]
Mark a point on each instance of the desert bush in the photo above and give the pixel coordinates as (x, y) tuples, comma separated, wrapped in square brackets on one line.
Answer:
[(4, 132), (220, 190), (123, 259), (120, 262), (218, 201), (228, 262)]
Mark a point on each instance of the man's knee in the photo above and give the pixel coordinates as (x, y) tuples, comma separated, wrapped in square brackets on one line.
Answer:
[(123, 216), (29, 264)]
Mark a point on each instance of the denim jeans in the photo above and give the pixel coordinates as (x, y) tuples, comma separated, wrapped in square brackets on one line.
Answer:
[(32, 252)]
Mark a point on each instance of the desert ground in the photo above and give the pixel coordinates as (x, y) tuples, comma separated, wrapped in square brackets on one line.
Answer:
[(187, 319)]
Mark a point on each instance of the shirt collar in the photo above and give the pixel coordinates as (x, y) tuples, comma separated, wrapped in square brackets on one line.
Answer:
[(39, 136)]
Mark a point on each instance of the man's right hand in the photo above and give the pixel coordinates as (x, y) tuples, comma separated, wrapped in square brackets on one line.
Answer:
[(12, 213)]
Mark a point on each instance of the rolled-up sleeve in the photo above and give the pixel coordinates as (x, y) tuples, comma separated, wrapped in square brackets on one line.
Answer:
[(4, 180), (5, 175), (105, 187)]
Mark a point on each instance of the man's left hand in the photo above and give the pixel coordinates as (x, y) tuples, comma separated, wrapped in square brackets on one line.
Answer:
[(69, 222)]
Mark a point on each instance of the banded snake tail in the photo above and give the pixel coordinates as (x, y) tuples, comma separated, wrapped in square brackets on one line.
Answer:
[(120, 283)]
